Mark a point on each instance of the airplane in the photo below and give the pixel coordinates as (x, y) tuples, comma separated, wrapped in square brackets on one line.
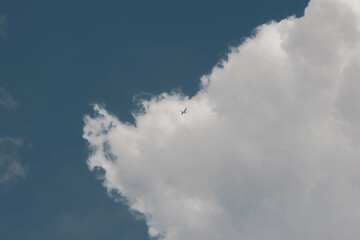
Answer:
[(183, 112)]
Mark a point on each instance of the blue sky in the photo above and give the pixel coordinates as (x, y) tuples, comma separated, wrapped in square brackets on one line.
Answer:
[(58, 57)]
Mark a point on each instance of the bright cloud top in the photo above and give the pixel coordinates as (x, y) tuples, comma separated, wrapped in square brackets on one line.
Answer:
[(269, 148)]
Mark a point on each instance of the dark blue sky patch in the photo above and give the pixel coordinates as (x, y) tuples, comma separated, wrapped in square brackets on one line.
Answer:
[(99, 173), (107, 152)]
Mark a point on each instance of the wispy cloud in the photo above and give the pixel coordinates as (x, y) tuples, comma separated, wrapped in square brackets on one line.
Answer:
[(270, 147), (6, 100), (10, 166), (2, 25)]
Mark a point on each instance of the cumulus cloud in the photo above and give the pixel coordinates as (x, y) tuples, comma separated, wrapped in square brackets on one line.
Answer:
[(10, 166), (270, 148), (5, 99)]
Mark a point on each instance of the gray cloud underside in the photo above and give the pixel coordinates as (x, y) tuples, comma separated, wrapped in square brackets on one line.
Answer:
[(270, 147)]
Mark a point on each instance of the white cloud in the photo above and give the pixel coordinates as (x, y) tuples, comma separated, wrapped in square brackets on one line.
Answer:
[(10, 166), (270, 148)]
